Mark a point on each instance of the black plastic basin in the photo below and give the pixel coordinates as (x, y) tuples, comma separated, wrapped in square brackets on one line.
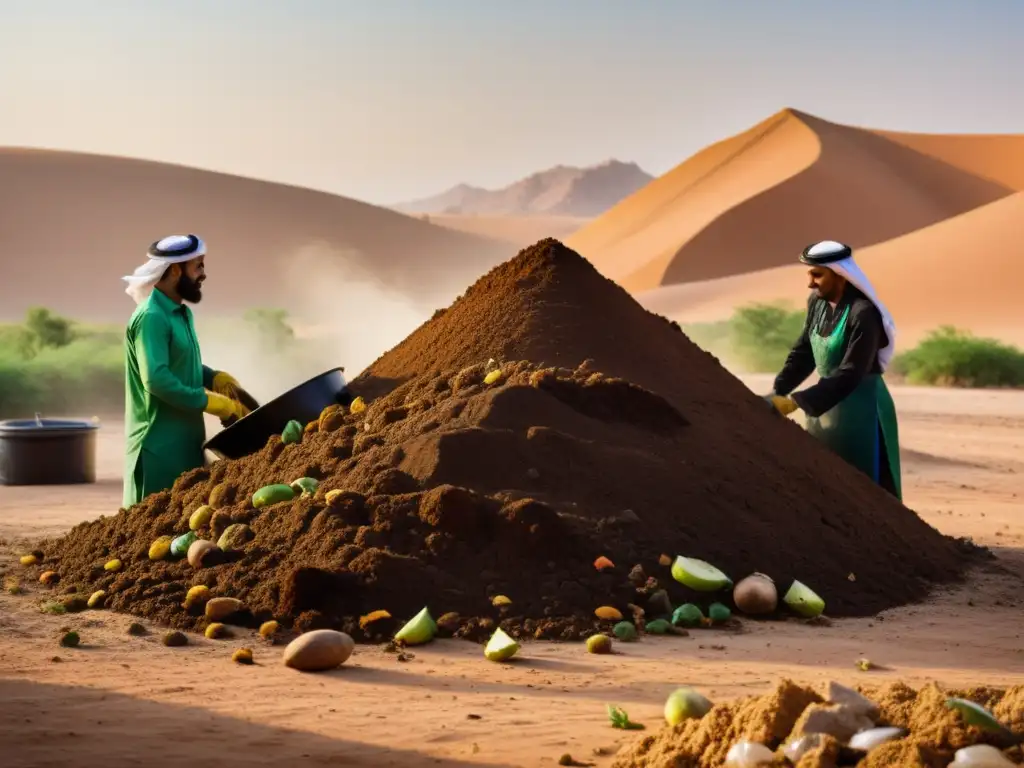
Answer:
[(47, 451), (303, 404)]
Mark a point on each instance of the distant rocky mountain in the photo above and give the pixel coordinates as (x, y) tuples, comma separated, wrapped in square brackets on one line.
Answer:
[(562, 191)]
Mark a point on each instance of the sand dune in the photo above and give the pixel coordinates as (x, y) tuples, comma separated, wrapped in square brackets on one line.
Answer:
[(559, 191), (964, 271), (519, 231), (999, 158), (72, 224), (752, 201)]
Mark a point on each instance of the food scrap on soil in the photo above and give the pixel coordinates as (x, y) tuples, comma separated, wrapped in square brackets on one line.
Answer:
[(608, 436)]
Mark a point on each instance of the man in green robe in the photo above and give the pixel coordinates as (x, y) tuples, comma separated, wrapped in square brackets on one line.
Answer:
[(166, 381), (849, 339)]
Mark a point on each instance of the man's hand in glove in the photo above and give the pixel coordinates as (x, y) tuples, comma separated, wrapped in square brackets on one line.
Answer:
[(226, 384), (784, 405), (224, 408)]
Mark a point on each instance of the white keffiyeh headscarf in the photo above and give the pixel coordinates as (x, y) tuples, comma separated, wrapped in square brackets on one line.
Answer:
[(839, 258), (175, 249)]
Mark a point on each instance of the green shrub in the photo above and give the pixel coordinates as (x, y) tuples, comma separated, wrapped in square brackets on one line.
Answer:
[(954, 358), (756, 339), (83, 374), (54, 366), (49, 330), (763, 334)]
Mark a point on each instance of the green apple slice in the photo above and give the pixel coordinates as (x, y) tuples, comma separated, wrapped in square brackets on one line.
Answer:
[(804, 600), (698, 575), (418, 630), (500, 647), (976, 715)]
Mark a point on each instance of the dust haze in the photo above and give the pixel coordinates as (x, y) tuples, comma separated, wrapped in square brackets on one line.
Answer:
[(341, 313)]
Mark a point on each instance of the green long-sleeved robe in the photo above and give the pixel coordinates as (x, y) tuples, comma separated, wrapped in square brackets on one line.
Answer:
[(165, 394)]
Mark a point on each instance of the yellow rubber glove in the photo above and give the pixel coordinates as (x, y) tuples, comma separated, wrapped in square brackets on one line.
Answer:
[(226, 384), (224, 408), (784, 405)]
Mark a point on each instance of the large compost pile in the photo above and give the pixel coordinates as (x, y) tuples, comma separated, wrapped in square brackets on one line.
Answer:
[(604, 432)]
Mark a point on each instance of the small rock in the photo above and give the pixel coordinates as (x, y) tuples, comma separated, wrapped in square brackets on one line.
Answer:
[(174, 639), (204, 554), (197, 595), (70, 640), (217, 631), (449, 624), (75, 604), (748, 754), (220, 495), (97, 599), (637, 577), (981, 756), (319, 650), (242, 656), (659, 604), (848, 697), (137, 629), (331, 420), (868, 739), (200, 518), (832, 719), (800, 746), (268, 629), (219, 608), (235, 537)]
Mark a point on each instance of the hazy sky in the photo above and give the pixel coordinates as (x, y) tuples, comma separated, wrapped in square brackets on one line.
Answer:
[(385, 100)]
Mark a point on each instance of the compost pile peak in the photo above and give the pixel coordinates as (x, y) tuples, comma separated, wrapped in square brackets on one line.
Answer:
[(541, 421)]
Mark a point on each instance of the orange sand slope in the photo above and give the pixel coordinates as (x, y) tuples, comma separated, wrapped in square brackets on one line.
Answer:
[(964, 271), (72, 224), (752, 201)]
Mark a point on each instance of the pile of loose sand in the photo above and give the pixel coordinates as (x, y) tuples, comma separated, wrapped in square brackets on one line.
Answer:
[(933, 731)]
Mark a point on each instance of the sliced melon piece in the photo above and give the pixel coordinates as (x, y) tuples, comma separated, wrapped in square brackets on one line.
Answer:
[(685, 704), (418, 630), (500, 647), (804, 600), (698, 575), (976, 715)]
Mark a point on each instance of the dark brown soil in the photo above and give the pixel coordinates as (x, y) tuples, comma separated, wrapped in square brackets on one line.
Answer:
[(610, 433)]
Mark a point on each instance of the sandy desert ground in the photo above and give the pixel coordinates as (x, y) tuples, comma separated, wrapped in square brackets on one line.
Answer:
[(123, 700)]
